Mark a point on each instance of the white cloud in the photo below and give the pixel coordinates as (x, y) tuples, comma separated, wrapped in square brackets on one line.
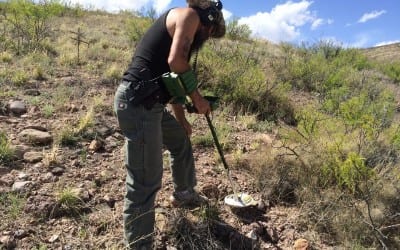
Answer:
[(227, 14), (371, 15), (319, 22), (316, 23), (161, 5), (386, 43), (283, 22)]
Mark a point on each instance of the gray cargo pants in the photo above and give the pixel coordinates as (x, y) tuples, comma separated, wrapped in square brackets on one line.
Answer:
[(146, 131)]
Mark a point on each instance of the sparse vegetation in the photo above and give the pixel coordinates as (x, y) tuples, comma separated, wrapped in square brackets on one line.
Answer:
[(333, 161), (51, 158), (66, 136), (28, 24), (392, 70), (6, 152), (69, 201), (13, 203), (48, 110)]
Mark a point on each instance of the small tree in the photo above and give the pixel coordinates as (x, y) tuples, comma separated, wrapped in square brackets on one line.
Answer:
[(28, 23), (236, 31)]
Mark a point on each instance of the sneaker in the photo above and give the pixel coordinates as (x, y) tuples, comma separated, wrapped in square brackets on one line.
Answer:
[(187, 198)]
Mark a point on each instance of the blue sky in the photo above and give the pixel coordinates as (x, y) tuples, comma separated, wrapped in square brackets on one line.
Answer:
[(350, 23)]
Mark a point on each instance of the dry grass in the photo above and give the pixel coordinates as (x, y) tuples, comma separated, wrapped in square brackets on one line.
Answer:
[(280, 179), (386, 53)]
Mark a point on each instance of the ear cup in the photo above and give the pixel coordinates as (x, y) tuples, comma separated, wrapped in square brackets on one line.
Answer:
[(212, 15), (208, 16)]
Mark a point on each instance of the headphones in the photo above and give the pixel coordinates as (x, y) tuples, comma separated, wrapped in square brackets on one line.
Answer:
[(211, 15)]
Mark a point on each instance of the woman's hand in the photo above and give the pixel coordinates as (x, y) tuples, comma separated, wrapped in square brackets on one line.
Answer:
[(202, 105), (186, 125), (179, 114)]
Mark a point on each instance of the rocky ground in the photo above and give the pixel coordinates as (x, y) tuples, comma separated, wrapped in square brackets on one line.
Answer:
[(31, 186)]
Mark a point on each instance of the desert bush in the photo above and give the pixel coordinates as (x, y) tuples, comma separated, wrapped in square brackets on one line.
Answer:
[(19, 78), (236, 31), (337, 169), (370, 115), (332, 161), (136, 27), (28, 24), (222, 129), (204, 140), (395, 139), (6, 57), (38, 74), (48, 110), (67, 60), (353, 58), (318, 68), (392, 70), (66, 136), (233, 71), (113, 73)]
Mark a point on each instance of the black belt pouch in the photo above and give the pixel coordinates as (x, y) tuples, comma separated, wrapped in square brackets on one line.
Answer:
[(143, 91)]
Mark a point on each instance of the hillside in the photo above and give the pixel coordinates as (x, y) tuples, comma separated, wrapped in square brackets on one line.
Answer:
[(386, 53), (61, 151)]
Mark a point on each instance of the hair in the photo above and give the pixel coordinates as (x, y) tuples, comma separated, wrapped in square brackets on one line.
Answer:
[(210, 14), (203, 4)]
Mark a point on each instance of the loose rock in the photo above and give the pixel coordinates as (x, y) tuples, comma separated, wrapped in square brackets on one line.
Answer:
[(33, 157), (34, 136), (17, 107), (21, 186)]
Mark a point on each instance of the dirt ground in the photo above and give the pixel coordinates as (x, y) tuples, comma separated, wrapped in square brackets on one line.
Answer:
[(33, 218)]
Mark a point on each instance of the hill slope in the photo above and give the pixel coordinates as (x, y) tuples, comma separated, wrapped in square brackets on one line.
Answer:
[(385, 53), (64, 186)]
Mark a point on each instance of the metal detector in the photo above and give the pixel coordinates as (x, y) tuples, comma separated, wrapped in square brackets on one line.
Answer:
[(237, 199)]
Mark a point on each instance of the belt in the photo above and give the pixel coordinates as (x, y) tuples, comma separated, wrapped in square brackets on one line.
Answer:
[(144, 93)]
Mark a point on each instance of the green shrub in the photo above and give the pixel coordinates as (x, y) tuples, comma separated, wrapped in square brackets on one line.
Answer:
[(29, 23), (236, 31), (232, 71), (13, 205), (370, 115), (67, 137), (352, 58), (48, 110), (6, 152), (19, 78), (69, 201), (395, 140), (136, 27), (5, 57), (205, 140), (353, 172), (392, 70), (113, 73), (38, 74)]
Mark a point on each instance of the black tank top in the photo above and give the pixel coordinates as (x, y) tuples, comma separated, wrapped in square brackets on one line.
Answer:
[(150, 59)]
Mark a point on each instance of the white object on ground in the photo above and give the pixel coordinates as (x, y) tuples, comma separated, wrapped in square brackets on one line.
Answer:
[(239, 200)]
